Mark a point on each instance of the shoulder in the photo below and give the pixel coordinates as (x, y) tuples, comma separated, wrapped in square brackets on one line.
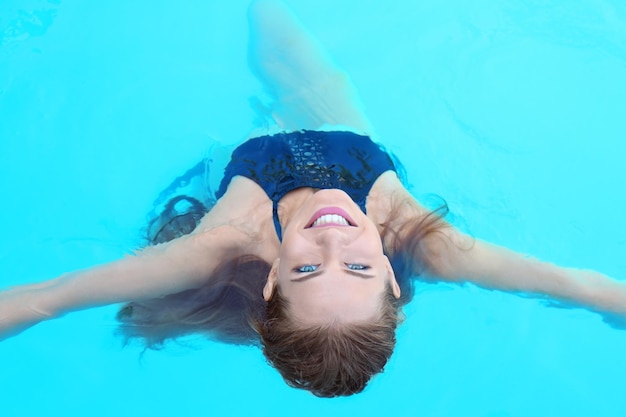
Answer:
[(391, 206), (386, 193), (244, 203), (241, 219)]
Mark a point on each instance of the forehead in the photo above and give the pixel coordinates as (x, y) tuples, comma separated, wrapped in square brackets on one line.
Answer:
[(334, 296)]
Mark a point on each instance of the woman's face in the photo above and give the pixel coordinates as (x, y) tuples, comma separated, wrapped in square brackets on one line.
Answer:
[(331, 265)]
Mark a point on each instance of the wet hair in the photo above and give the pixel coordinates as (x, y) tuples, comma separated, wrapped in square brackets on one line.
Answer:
[(403, 244), (335, 359), (223, 309), (332, 359), (179, 217)]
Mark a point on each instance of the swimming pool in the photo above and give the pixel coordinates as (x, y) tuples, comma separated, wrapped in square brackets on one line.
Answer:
[(513, 112)]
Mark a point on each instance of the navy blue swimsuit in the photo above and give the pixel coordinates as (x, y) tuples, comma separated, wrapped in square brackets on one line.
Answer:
[(283, 162)]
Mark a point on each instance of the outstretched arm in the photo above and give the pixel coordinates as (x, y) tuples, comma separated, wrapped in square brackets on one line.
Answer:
[(169, 268), (308, 89), (453, 256)]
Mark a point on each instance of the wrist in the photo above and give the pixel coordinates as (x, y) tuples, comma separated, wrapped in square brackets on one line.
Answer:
[(19, 310)]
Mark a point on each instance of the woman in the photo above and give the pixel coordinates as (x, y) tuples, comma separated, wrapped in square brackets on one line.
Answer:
[(311, 245)]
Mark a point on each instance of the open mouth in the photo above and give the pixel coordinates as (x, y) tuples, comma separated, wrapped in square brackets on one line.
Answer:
[(330, 216)]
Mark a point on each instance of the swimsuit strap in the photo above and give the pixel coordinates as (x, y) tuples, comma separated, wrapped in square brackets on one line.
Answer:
[(277, 227)]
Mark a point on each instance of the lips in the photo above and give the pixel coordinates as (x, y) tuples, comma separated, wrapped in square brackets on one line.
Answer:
[(330, 211)]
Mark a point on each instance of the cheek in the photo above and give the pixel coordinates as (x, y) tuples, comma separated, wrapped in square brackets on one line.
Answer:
[(290, 243), (372, 245)]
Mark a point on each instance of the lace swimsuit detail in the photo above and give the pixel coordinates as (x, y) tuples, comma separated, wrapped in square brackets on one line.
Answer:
[(283, 162)]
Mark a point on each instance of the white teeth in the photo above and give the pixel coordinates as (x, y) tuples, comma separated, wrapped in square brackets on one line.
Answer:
[(331, 218)]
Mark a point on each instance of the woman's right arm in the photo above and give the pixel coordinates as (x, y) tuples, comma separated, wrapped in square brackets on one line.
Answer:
[(447, 254), (181, 264)]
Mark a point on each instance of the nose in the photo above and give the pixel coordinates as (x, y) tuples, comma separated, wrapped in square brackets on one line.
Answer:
[(333, 237)]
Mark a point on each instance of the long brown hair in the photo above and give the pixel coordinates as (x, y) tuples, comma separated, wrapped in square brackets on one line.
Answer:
[(402, 243), (332, 359), (223, 309)]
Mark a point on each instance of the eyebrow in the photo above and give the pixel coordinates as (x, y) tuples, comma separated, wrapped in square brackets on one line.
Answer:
[(347, 271)]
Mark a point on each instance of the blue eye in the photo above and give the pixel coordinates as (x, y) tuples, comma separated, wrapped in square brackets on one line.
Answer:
[(357, 267), (306, 268)]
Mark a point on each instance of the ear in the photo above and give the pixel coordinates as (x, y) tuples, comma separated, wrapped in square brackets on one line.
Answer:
[(272, 277), (392, 277)]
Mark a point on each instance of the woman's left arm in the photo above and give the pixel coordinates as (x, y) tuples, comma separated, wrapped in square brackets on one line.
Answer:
[(183, 263), (454, 256)]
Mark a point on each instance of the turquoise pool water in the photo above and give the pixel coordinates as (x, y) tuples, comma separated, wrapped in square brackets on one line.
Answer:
[(512, 111)]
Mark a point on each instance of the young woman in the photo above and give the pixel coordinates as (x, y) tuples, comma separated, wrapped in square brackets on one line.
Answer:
[(311, 247)]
